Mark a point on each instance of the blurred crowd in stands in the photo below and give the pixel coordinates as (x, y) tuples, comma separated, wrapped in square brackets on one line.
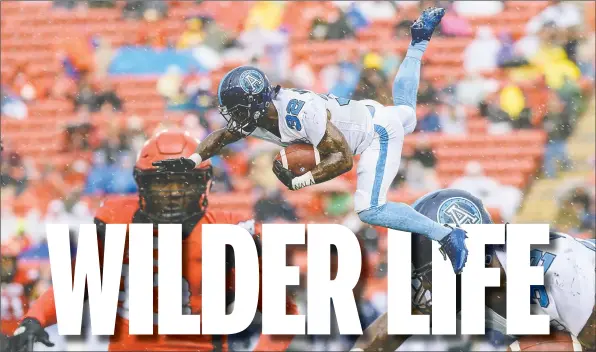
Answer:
[(539, 77)]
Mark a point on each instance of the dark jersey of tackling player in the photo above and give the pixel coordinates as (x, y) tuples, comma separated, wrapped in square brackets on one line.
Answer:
[(568, 265)]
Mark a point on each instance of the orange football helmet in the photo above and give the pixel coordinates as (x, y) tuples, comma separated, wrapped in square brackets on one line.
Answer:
[(170, 191)]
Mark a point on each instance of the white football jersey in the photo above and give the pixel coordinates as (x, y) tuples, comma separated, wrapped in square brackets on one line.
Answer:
[(303, 119), (568, 294)]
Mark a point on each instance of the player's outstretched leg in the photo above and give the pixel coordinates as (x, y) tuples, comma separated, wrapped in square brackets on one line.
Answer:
[(400, 216), (405, 84)]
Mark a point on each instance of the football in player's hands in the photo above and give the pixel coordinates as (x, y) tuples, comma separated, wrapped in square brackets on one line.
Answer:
[(299, 158)]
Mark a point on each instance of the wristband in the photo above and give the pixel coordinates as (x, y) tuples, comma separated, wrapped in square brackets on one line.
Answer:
[(303, 181), (196, 158)]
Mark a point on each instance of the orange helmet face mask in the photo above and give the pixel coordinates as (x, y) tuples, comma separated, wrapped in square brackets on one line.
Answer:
[(172, 195)]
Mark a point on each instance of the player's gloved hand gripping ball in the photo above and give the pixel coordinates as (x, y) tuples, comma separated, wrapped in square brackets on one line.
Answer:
[(284, 175)]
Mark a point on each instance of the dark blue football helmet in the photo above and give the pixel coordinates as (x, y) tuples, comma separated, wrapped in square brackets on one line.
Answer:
[(244, 95), (445, 206)]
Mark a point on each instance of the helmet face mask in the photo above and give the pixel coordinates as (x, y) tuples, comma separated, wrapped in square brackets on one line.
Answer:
[(173, 197), (244, 95), (239, 119)]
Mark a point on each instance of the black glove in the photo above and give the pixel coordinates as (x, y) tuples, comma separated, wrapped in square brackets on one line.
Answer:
[(175, 165), (284, 175), (29, 332)]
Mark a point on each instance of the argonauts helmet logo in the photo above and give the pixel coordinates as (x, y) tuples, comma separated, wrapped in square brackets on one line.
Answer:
[(252, 82), (459, 211)]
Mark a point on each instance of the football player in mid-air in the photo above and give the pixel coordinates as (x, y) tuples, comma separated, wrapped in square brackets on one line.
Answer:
[(339, 129), (169, 192), (567, 295)]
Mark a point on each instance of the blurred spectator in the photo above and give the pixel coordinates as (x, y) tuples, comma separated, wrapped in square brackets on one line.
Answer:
[(452, 119), (557, 125), (99, 4), (86, 97), (513, 102), (427, 93), (115, 143), (546, 55), (430, 122), (481, 54), (402, 29), (148, 9), (99, 175), (423, 153), (79, 136), (303, 76), (222, 182), (76, 56), (136, 134), (64, 87), (473, 89), (498, 119), (13, 172), (121, 180), (265, 15), (23, 84), (478, 8), (215, 37), (151, 35), (334, 27), (107, 95), (420, 178), (71, 211), (453, 24), (506, 54), (369, 10), (272, 205), (192, 35), (11, 105), (169, 86), (373, 84), (476, 182), (342, 78), (391, 62), (64, 4), (197, 87), (273, 208), (104, 52), (562, 13), (586, 57)]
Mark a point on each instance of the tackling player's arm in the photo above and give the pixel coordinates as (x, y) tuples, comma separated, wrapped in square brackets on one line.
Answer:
[(587, 336), (337, 159), (213, 144), (42, 312)]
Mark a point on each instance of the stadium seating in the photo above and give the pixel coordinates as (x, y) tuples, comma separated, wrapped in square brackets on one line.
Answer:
[(33, 31)]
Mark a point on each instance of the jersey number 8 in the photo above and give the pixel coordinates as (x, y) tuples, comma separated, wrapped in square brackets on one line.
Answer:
[(293, 109)]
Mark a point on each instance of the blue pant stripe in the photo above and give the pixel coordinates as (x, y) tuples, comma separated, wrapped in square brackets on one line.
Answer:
[(380, 169)]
